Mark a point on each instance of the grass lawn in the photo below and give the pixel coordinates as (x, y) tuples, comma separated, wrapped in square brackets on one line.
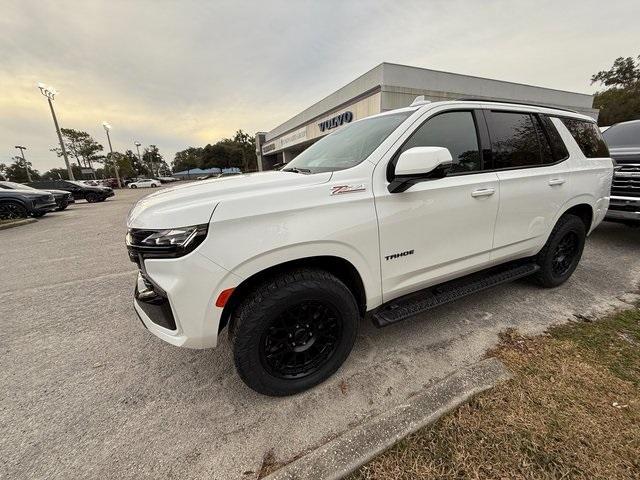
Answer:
[(572, 410)]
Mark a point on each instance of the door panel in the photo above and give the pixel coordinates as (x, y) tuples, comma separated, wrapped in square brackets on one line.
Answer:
[(436, 230), (529, 201)]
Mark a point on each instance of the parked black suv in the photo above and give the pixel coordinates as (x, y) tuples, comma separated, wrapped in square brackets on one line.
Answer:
[(624, 145), (79, 190), (63, 198), (23, 203)]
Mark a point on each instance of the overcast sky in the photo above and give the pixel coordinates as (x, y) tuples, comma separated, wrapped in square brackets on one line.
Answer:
[(187, 73)]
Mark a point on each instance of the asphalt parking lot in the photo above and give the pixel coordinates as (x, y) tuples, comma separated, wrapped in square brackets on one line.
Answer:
[(88, 393)]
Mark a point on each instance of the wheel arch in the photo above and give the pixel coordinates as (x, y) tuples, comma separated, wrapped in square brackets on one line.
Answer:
[(582, 207), (338, 266)]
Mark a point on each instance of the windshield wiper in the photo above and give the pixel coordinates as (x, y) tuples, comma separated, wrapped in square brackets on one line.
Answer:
[(296, 170)]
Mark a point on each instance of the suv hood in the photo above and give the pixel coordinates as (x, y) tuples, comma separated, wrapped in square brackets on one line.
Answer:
[(193, 203), (625, 154)]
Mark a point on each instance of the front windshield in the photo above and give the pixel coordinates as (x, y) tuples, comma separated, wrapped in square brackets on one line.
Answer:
[(15, 186), (347, 147)]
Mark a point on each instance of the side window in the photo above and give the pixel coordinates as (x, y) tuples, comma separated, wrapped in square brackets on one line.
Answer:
[(588, 137), (558, 147), (455, 131), (545, 147), (514, 139)]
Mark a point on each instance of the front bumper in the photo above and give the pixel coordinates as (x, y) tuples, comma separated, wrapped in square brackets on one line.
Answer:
[(45, 207), (624, 209), (175, 298)]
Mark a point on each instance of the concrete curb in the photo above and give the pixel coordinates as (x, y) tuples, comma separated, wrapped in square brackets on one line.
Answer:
[(17, 223), (354, 448)]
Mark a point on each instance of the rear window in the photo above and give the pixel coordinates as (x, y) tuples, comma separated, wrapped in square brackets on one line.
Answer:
[(623, 135), (588, 137)]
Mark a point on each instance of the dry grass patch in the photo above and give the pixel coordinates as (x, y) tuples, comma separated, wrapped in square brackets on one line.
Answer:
[(572, 410)]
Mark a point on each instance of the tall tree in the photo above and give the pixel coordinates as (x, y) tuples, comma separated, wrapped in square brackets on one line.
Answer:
[(620, 101), (81, 146), (16, 172), (187, 159)]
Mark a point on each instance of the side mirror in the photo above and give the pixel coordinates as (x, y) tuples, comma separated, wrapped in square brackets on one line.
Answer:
[(418, 164)]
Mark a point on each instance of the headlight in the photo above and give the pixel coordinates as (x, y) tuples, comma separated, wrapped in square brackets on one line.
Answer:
[(170, 242)]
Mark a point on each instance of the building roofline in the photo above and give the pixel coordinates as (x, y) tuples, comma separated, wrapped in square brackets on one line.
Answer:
[(379, 79), (486, 78)]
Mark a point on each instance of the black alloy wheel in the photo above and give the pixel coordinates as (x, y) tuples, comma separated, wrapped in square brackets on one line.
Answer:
[(12, 211), (91, 197), (565, 254), (301, 339), (293, 330), (561, 254)]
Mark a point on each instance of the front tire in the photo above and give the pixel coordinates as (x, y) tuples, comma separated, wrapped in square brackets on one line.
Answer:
[(62, 206), (133, 186), (12, 210), (561, 254), (91, 197), (293, 331)]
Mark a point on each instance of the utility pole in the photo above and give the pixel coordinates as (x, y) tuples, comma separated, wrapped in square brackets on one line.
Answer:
[(24, 161), (107, 127), (50, 93)]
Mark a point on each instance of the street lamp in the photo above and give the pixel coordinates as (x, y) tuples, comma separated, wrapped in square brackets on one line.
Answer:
[(107, 127), (24, 161), (50, 92), (138, 144)]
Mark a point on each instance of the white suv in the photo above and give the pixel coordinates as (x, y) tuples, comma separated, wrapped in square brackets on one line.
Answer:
[(386, 217)]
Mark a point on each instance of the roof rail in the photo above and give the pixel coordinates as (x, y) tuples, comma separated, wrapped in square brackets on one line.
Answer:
[(512, 102)]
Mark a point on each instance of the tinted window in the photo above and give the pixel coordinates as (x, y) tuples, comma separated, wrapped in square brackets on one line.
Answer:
[(455, 131), (588, 137), (558, 147), (546, 153), (514, 139), (623, 135)]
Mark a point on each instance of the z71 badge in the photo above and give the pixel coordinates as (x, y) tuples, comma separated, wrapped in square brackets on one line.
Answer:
[(340, 189)]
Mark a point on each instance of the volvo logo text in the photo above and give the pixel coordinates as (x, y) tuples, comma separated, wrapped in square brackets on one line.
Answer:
[(336, 121)]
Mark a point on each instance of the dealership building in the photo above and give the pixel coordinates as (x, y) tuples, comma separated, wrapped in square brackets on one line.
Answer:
[(389, 86)]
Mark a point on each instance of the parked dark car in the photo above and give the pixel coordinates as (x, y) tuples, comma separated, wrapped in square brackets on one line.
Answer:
[(63, 198), (24, 203), (79, 190), (623, 140)]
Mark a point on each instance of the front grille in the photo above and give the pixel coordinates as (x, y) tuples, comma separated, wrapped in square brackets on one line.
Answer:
[(626, 181)]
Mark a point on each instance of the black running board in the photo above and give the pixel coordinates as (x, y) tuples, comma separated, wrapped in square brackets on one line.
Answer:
[(416, 303)]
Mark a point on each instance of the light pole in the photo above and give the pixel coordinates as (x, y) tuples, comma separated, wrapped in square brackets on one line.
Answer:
[(152, 154), (24, 161), (50, 92), (137, 144), (107, 127)]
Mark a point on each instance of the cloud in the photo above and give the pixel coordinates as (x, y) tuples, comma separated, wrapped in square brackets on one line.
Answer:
[(186, 73)]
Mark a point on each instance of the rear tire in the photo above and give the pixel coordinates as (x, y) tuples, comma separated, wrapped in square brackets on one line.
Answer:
[(293, 331), (561, 254)]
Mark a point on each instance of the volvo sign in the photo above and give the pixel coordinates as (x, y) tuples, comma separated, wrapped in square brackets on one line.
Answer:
[(338, 120)]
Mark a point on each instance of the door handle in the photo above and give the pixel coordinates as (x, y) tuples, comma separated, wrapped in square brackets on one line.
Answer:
[(556, 181), (483, 192)]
